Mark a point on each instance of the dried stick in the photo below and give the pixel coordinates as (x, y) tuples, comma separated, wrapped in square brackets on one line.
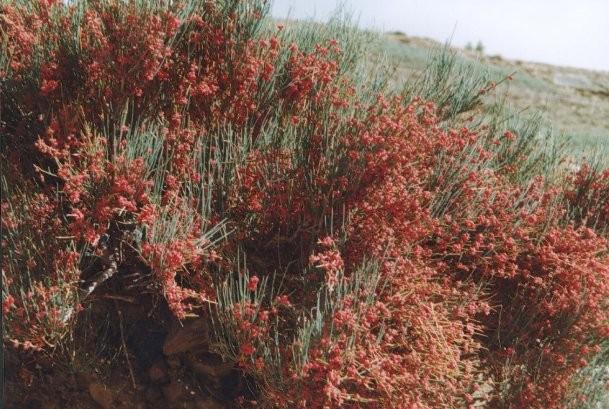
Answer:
[(101, 277), (95, 282), (124, 344)]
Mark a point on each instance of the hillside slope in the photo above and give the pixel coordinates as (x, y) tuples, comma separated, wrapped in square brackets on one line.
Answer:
[(575, 101)]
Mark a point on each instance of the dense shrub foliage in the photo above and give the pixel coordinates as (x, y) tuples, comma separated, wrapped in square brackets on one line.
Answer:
[(350, 248)]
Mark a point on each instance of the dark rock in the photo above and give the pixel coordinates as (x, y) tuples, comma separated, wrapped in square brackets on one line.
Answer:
[(101, 395), (173, 393), (153, 395), (146, 343), (49, 404), (191, 337), (158, 372), (208, 364), (174, 362), (213, 369), (33, 404), (82, 380), (208, 403)]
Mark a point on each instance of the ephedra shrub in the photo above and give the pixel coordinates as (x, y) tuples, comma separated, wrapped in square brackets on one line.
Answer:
[(349, 247)]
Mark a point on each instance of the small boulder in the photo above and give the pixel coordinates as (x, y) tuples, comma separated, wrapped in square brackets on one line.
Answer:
[(192, 336), (101, 395), (158, 372), (153, 395), (209, 365), (208, 403), (173, 392)]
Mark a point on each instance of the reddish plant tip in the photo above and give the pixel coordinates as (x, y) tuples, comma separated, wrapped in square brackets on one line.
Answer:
[(252, 283)]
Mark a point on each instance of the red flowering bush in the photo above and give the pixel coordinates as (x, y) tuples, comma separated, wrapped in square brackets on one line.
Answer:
[(349, 248), (38, 292), (588, 197)]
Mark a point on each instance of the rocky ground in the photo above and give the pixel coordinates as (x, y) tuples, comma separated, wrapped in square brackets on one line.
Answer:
[(148, 362)]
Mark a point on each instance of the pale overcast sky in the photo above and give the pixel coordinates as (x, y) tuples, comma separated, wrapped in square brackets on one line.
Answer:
[(563, 32)]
